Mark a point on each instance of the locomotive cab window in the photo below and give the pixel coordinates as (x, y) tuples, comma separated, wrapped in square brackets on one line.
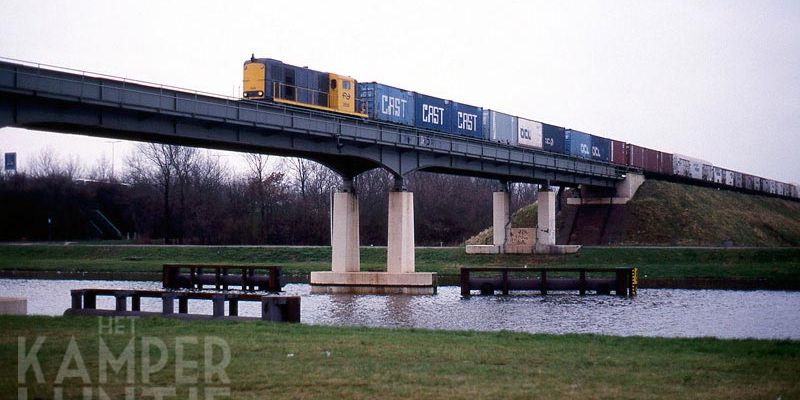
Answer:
[(346, 85), (333, 83)]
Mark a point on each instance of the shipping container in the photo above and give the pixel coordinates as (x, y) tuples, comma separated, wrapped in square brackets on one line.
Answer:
[(644, 158), (738, 179), (707, 172), (619, 153), (749, 182), (577, 143), (681, 165), (500, 127), (779, 188), (466, 120), (773, 187), (665, 161), (694, 165), (432, 113), (718, 175), (553, 139), (727, 177), (529, 133), (601, 148), (386, 103), (757, 184), (796, 190)]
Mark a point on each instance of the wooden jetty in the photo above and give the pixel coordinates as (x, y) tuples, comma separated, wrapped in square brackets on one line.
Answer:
[(273, 307), (221, 276), (623, 281)]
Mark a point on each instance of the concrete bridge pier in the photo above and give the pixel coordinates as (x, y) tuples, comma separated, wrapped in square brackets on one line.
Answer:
[(400, 240), (400, 276), (546, 225), (501, 216), (344, 235)]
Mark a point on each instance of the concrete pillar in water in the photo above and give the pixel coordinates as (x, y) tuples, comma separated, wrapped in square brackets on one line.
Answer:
[(500, 216), (344, 236), (400, 241), (546, 232)]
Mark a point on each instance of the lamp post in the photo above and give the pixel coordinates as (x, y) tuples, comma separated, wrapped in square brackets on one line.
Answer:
[(113, 142)]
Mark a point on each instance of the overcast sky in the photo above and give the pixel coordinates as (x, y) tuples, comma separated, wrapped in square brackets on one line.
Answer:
[(718, 80)]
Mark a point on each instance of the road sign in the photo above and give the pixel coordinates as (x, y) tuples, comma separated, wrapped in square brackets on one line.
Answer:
[(11, 162)]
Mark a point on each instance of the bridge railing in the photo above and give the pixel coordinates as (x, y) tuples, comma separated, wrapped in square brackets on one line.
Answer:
[(96, 87)]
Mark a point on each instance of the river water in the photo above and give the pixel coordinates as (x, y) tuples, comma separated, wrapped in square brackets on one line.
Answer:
[(654, 312)]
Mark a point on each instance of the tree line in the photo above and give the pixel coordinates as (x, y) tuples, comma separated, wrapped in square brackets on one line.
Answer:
[(183, 195)]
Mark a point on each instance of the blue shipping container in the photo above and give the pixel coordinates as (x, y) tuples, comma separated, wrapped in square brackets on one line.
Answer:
[(578, 143), (553, 139), (466, 120), (432, 113), (601, 148), (387, 103)]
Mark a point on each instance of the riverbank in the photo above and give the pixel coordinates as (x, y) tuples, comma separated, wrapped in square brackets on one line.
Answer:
[(696, 267), (294, 361)]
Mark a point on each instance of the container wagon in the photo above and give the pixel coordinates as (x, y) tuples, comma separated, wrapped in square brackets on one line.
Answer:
[(387, 103), (619, 153), (577, 143), (601, 148), (553, 139), (529, 133), (500, 127)]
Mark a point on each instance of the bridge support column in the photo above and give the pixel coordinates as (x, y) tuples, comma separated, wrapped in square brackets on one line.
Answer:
[(400, 240), (400, 277), (344, 236), (546, 232), (501, 203)]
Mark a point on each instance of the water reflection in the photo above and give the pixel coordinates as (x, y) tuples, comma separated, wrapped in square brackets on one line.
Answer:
[(683, 313)]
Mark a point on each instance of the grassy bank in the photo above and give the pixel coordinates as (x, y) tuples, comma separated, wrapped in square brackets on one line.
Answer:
[(769, 264), (297, 361)]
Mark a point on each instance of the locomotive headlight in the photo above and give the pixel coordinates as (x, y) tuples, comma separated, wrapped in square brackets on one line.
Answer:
[(260, 93)]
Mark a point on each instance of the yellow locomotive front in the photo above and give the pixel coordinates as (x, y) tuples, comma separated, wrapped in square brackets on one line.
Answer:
[(272, 80)]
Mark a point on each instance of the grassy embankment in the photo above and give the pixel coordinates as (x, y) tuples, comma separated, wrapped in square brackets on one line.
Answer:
[(296, 361), (769, 264), (665, 213)]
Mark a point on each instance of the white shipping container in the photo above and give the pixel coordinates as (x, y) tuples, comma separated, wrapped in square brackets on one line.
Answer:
[(729, 178), (688, 166), (718, 175), (529, 133), (499, 127)]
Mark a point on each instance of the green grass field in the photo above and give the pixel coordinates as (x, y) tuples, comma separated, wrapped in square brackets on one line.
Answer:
[(298, 361), (778, 264)]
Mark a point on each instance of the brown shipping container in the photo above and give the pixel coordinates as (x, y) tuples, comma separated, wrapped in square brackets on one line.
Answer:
[(651, 160), (666, 163), (644, 158), (618, 153), (634, 156)]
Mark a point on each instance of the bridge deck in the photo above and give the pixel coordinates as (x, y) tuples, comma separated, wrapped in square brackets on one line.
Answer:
[(69, 101)]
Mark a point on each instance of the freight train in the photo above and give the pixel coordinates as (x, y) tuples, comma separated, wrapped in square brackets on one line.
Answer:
[(266, 79)]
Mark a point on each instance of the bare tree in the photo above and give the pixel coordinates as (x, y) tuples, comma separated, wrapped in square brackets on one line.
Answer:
[(45, 163), (49, 164), (73, 168), (300, 170), (101, 171), (165, 166)]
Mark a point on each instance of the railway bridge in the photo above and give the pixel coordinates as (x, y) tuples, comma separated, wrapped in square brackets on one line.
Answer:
[(55, 99)]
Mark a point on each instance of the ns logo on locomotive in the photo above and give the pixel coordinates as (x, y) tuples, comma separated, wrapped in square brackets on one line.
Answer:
[(266, 79)]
